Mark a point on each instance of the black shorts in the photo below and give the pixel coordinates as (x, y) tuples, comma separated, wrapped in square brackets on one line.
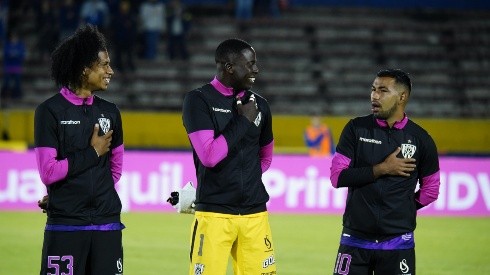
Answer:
[(82, 252), (359, 261)]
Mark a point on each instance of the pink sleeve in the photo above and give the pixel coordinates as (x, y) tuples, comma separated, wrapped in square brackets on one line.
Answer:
[(117, 162), (429, 189), (209, 150), (265, 154), (50, 169), (339, 163)]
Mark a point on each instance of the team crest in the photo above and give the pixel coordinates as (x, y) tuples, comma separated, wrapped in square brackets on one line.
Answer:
[(105, 124), (198, 269), (408, 150)]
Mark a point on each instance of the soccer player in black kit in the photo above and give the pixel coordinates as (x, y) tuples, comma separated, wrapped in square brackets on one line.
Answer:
[(79, 152), (380, 158), (230, 130)]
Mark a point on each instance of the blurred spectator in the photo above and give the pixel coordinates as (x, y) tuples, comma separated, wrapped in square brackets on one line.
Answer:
[(318, 138), (124, 27), (14, 54), (178, 22), (95, 12), (244, 9), (152, 16), (113, 5), (274, 8), (16, 14), (49, 29), (267, 8), (4, 13), (69, 20)]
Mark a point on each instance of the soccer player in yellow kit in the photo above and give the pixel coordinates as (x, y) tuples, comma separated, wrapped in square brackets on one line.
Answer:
[(230, 130)]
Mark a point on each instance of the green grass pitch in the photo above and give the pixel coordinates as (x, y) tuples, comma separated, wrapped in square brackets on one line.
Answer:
[(157, 243)]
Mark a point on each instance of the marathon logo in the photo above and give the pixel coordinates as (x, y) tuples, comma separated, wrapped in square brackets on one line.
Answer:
[(64, 122), (370, 140), (221, 110)]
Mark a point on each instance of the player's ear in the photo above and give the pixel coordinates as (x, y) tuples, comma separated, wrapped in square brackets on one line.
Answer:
[(228, 67), (403, 96)]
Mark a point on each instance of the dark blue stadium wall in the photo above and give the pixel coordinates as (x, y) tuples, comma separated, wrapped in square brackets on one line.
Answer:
[(445, 4), (457, 4)]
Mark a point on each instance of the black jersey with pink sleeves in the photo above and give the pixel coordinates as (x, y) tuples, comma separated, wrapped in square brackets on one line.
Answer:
[(80, 184), (230, 152), (386, 206)]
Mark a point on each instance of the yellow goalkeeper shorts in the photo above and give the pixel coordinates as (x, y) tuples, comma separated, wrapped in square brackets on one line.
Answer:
[(247, 238)]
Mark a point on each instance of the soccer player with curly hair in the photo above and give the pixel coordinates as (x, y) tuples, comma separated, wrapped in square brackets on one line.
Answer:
[(79, 151)]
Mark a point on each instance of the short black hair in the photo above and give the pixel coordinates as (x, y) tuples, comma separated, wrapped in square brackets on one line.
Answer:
[(400, 77), (230, 48), (74, 54)]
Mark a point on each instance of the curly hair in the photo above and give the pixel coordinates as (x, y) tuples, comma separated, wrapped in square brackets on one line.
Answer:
[(74, 54)]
